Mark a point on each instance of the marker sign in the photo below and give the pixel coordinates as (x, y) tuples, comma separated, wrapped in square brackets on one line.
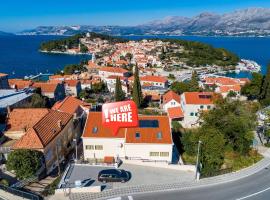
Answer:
[(120, 114)]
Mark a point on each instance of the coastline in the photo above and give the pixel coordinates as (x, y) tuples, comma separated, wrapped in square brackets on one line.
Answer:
[(64, 52)]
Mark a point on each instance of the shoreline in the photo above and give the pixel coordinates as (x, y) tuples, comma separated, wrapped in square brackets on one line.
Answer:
[(64, 52)]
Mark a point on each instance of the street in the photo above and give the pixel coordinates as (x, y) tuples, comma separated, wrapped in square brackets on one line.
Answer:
[(254, 187)]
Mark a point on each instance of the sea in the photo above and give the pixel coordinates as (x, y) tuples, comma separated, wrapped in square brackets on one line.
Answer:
[(19, 55)]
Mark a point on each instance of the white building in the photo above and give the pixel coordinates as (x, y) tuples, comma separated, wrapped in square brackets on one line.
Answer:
[(192, 103), (170, 100), (151, 140), (105, 72)]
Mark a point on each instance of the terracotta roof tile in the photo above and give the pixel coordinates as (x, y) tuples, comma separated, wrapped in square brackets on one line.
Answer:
[(175, 112), (147, 135), (170, 95), (69, 105), (113, 69), (21, 118), (44, 131), (198, 97), (19, 83), (46, 87)]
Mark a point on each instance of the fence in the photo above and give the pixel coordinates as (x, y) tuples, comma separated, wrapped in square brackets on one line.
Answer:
[(20, 193)]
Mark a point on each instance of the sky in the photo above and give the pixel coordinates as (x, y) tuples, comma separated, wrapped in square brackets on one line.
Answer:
[(17, 15)]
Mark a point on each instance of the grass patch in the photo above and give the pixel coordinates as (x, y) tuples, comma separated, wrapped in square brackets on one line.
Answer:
[(237, 162), (188, 159)]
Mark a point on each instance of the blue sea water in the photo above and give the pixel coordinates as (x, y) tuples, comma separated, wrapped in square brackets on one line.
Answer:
[(19, 54)]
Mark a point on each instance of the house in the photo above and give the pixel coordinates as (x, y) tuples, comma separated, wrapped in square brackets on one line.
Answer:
[(170, 100), (151, 140), (54, 91), (156, 81), (105, 72), (73, 87), (19, 83), (4, 81), (75, 107), (192, 103), (19, 120), (224, 85), (52, 135)]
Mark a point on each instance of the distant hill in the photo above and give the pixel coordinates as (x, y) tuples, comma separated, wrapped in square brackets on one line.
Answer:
[(5, 33), (246, 22)]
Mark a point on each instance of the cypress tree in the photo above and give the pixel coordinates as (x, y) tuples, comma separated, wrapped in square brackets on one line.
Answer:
[(119, 94), (265, 94), (137, 90), (193, 83)]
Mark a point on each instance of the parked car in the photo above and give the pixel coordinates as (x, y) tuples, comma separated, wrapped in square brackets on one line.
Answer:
[(113, 175)]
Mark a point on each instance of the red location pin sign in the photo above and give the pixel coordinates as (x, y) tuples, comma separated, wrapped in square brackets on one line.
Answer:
[(120, 114)]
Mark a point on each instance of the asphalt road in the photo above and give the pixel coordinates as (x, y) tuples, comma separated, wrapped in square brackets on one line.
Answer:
[(254, 187)]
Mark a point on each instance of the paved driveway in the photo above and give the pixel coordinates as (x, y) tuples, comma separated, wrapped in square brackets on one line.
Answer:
[(140, 175)]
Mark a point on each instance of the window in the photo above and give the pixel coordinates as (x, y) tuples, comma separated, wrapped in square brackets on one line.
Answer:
[(164, 154), (159, 135), (95, 129), (89, 147), (137, 135), (99, 147), (196, 114), (148, 124), (201, 106), (152, 154), (192, 114), (208, 107)]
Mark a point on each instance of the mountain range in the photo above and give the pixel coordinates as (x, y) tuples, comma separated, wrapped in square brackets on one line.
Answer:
[(245, 22)]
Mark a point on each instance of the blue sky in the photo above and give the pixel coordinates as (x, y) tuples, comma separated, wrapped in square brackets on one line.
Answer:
[(16, 15)]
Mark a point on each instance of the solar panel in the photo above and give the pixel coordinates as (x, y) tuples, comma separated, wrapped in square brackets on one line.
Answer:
[(148, 124)]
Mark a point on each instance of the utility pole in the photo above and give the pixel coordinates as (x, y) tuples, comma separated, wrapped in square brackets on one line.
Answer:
[(197, 174)]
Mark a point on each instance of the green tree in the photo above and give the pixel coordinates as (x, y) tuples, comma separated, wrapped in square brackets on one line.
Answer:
[(24, 162), (253, 89), (212, 149), (193, 83), (235, 120), (232, 94), (99, 87), (137, 96), (265, 94), (119, 94), (83, 48), (180, 87)]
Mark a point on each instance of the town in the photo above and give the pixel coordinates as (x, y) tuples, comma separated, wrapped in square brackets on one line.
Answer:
[(52, 136)]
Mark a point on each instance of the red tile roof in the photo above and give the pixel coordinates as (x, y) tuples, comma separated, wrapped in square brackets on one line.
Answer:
[(159, 79), (113, 69), (46, 87), (198, 97), (226, 88), (24, 118), (19, 83), (171, 95), (175, 113), (44, 131), (72, 83), (147, 135), (69, 105)]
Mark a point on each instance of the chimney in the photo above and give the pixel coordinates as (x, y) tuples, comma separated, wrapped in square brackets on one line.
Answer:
[(59, 124)]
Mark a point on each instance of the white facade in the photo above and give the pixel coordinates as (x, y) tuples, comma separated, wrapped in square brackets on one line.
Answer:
[(104, 74), (98, 148), (192, 112), (171, 104)]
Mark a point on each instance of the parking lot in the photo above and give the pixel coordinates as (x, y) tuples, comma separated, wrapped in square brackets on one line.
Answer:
[(140, 175)]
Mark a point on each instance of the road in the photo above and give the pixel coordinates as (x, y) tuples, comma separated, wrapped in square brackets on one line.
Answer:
[(254, 187)]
